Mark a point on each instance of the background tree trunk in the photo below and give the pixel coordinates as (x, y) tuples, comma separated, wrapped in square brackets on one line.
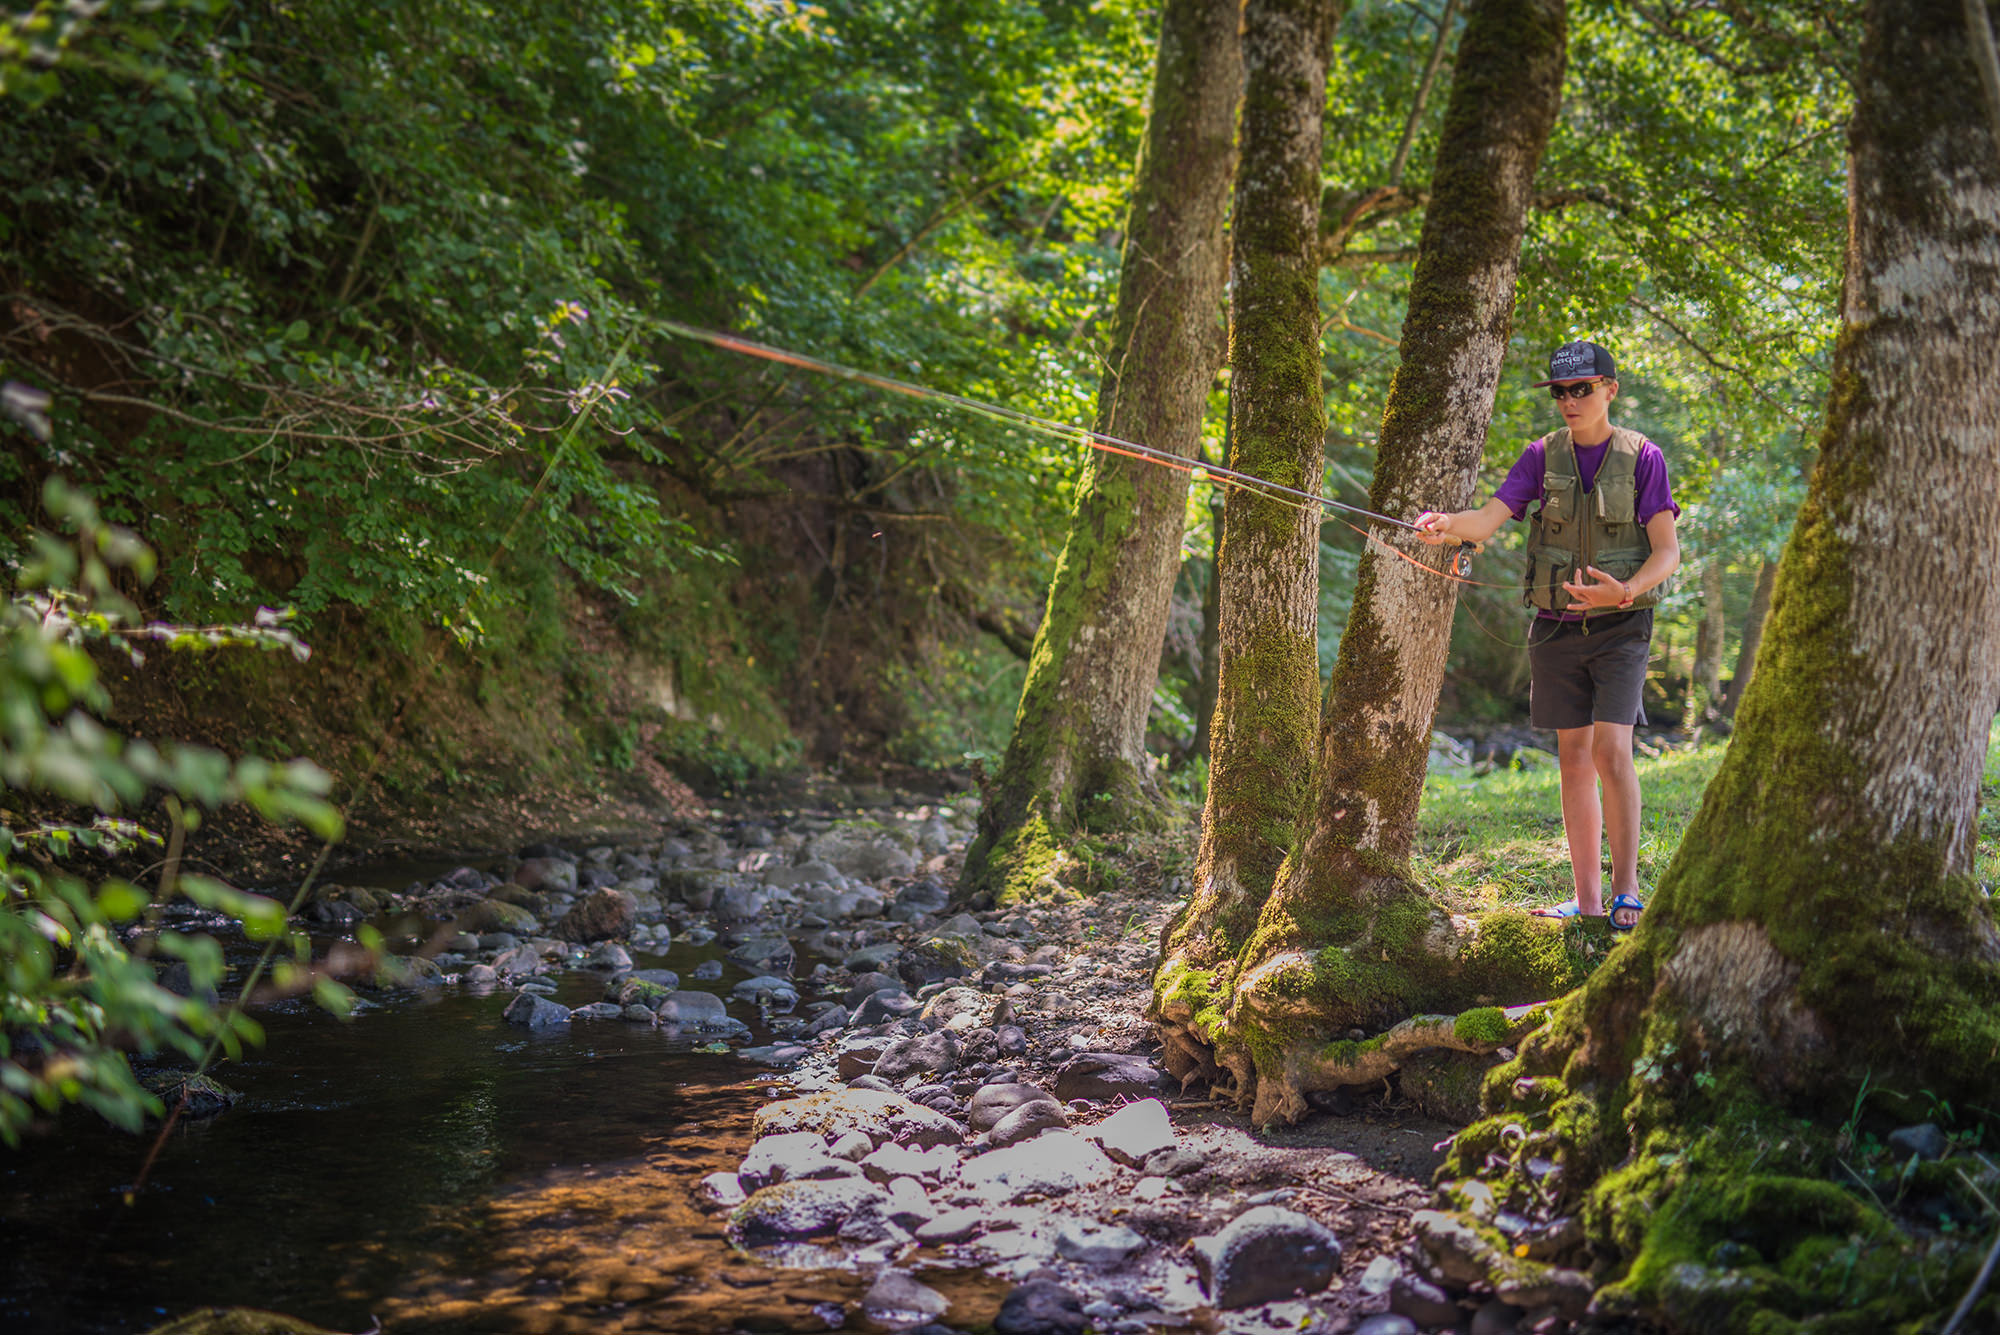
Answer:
[(1818, 949), (1078, 746), (1705, 682), (1211, 642), (1753, 634), (1347, 890), (1267, 693)]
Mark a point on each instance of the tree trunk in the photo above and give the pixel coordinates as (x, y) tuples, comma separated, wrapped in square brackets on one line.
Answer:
[(1753, 634), (1211, 634), (1818, 952), (1267, 690), (1705, 689), (1078, 748), (1345, 938)]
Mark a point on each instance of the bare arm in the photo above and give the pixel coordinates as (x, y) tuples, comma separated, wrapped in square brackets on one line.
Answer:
[(1601, 590), (1472, 526)]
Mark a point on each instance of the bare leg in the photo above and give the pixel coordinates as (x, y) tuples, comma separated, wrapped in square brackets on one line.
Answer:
[(1583, 818), (1611, 751)]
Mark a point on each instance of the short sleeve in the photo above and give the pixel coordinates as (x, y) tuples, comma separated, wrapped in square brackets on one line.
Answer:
[(1649, 479), (1523, 485)]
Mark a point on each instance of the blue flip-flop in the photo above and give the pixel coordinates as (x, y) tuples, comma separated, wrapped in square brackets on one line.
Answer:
[(1630, 903), (1569, 908)]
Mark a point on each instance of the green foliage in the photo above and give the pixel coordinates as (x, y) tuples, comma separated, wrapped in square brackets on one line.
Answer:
[(78, 982)]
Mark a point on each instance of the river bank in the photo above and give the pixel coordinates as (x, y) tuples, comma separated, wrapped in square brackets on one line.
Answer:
[(568, 1087)]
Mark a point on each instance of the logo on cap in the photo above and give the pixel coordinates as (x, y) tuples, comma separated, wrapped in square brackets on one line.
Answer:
[(1579, 361)]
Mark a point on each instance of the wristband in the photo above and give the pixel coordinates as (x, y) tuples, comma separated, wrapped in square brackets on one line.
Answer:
[(1628, 593)]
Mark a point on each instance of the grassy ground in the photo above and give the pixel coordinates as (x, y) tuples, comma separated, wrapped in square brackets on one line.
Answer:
[(1498, 840)]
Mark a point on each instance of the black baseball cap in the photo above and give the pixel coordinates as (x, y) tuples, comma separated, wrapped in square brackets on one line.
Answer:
[(1579, 361)]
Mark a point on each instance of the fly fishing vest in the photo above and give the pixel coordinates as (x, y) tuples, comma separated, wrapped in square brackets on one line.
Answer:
[(1575, 528)]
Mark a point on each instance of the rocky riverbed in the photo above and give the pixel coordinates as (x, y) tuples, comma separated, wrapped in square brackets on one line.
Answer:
[(962, 1090)]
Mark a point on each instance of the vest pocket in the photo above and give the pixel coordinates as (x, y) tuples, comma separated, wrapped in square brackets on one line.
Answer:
[(1557, 491), (1547, 572), (1617, 499)]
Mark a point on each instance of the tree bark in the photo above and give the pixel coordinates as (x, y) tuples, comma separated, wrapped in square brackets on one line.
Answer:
[(1267, 689), (1345, 938), (1705, 687), (1211, 642), (1077, 752), (1753, 634), (1818, 952)]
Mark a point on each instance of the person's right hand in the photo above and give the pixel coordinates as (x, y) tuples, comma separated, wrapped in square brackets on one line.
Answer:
[(1433, 528)]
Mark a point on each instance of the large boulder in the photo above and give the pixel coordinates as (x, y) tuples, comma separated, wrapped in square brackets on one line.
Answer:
[(1109, 1076), (809, 1209), (960, 1008), (936, 960), (535, 1012), (991, 1103), (1135, 1132), (865, 849), (601, 915), (495, 915), (928, 1054), (1266, 1254), (1028, 1121), (703, 1011), (797, 1156), (885, 1118), (1049, 1165), (810, 872), (696, 887), (919, 899), (765, 954), (740, 903), (1041, 1307), (867, 985), (548, 874)]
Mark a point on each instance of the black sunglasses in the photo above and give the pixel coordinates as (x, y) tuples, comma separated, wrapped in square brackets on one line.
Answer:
[(1578, 391)]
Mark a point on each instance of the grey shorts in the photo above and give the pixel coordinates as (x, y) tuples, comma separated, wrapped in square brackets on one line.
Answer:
[(1577, 679)]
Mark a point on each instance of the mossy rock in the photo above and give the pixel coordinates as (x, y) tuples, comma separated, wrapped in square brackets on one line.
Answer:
[(411, 971), (936, 960), (1445, 1084), (637, 992), (205, 1095), (498, 915), (238, 1321), (511, 893), (370, 902)]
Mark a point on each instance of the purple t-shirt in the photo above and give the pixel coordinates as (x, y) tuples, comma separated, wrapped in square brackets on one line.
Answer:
[(1523, 486)]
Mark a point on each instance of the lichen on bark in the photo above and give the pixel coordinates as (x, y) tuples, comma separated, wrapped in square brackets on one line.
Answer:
[(1078, 745), (1267, 695), (1345, 939), (1817, 965)]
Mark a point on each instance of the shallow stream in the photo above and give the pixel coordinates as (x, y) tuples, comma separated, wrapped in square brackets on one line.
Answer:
[(431, 1167)]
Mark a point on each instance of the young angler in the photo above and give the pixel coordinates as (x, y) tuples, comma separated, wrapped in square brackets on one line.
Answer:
[(1600, 544)]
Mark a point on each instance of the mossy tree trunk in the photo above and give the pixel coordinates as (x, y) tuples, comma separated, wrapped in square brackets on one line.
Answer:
[(1818, 953), (1267, 686), (1345, 939), (1078, 749)]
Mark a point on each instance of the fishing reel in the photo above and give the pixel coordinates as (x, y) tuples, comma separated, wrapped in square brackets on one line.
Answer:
[(1461, 560)]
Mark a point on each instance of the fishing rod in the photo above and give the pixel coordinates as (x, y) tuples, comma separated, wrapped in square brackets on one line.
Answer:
[(1097, 440)]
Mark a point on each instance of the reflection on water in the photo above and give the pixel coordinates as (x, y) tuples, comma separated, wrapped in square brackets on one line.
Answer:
[(427, 1164)]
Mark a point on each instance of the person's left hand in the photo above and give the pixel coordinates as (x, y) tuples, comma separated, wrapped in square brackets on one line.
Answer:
[(1601, 590)]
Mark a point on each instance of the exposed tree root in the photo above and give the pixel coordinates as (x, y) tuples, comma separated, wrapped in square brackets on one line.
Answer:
[(1304, 1066), (1284, 1026)]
